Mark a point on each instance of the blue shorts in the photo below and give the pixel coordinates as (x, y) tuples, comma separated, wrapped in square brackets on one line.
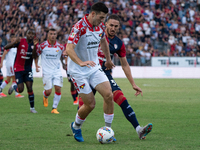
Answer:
[(23, 76)]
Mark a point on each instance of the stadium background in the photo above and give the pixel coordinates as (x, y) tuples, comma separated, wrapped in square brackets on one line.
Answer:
[(149, 28)]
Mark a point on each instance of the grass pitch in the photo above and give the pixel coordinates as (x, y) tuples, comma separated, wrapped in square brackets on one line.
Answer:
[(172, 105)]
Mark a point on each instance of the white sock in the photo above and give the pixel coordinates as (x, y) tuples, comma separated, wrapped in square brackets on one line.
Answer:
[(78, 122), (3, 85), (56, 100), (16, 93), (108, 119), (137, 128)]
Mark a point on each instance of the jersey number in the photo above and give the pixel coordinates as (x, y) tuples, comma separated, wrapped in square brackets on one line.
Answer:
[(113, 82), (30, 75)]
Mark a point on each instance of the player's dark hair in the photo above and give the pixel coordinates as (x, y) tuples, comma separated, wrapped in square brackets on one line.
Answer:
[(51, 29), (30, 30), (99, 7), (115, 17)]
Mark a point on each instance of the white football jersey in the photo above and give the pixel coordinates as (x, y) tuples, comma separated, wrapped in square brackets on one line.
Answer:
[(50, 57), (10, 57), (87, 39)]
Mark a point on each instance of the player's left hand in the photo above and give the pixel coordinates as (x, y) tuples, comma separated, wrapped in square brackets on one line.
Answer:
[(37, 68), (138, 90), (109, 65)]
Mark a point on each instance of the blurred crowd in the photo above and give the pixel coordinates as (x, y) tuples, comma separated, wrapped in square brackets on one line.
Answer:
[(149, 28)]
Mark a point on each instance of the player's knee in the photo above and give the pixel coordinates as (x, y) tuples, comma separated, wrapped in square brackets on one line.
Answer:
[(108, 96), (91, 106), (118, 97), (48, 92)]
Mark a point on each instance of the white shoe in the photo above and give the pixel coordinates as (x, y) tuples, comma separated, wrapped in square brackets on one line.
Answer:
[(32, 110), (144, 131)]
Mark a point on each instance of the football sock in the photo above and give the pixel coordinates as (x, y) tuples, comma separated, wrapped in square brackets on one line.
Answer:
[(45, 95), (14, 85), (1, 78), (74, 94), (78, 122), (31, 99), (56, 99), (3, 85), (126, 108), (137, 128), (108, 119), (129, 113)]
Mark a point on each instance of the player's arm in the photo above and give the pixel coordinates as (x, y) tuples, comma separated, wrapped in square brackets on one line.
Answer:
[(64, 59), (127, 71), (72, 54), (13, 44), (34, 53), (105, 48), (3, 57)]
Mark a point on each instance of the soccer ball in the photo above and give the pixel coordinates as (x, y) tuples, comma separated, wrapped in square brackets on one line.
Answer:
[(105, 135)]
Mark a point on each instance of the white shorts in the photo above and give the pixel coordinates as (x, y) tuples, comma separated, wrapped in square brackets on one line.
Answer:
[(10, 71), (50, 80), (85, 84)]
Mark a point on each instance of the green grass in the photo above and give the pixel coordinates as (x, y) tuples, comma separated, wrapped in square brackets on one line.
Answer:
[(172, 105)]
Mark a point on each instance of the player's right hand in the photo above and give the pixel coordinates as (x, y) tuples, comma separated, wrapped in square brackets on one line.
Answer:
[(35, 41), (88, 64)]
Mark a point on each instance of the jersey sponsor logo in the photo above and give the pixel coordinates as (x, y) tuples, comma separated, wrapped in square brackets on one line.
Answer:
[(24, 57), (23, 45), (115, 46), (88, 35), (82, 86), (50, 56), (32, 47), (92, 43)]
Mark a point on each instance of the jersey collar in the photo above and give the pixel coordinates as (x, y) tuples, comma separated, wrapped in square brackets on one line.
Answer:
[(87, 22), (50, 43)]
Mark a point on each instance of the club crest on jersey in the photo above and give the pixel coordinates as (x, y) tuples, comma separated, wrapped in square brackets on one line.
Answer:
[(23, 52), (100, 35), (72, 35), (57, 50), (32, 47), (82, 86), (115, 46)]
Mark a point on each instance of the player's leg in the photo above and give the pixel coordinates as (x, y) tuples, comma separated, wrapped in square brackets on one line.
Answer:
[(100, 83), (73, 91), (19, 87), (58, 83), (2, 85), (47, 83), (121, 100), (85, 91), (17, 95), (28, 79)]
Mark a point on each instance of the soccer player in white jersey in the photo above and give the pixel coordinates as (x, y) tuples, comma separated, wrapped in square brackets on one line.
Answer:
[(50, 52), (84, 69), (9, 55)]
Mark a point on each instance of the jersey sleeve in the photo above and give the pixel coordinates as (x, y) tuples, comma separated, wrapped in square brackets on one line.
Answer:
[(76, 32), (39, 48), (122, 51)]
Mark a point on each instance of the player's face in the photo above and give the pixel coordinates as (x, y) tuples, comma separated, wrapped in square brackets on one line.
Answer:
[(30, 35), (52, 35), (112, 27), (98, 18)]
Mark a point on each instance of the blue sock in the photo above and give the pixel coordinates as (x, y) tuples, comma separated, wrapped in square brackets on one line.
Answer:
[(31, 100), (129, 113), (15, 87)]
